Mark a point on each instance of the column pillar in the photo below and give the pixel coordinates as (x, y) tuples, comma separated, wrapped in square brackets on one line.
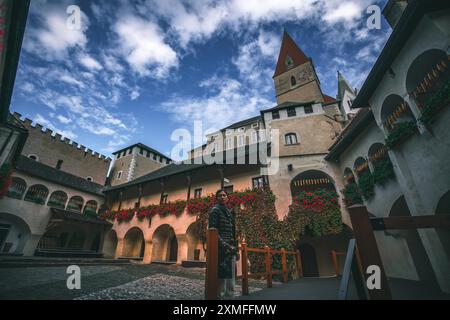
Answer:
[(119, 248), (148, 252), (182, 253)]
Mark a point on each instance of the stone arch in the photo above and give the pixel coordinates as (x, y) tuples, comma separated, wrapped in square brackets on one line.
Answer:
[(17, 188), (395, 110), (14, 234), (110, 244), (134, 243), (165, 244), (443, 208), (75, 204), (361, 166), (309, 260), (349, 177), (416, 249), (58, 199), (91, 207), (426, 75), (37, 193), (311, 180), (195, 245)]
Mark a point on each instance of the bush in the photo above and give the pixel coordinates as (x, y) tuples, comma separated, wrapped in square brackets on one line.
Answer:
[(400, 132), (366, 185), (383, 171), (352, 195)]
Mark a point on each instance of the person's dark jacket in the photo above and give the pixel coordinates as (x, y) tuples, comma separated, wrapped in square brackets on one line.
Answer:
[(223, 219)]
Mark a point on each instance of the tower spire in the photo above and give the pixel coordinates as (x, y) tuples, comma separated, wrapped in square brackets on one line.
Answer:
[(290, 55), (343, 85)]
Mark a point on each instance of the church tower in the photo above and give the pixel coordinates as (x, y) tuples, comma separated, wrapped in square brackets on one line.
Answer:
[(295, 77)]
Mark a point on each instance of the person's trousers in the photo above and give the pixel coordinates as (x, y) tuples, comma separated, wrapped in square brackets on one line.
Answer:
[(226, 286)]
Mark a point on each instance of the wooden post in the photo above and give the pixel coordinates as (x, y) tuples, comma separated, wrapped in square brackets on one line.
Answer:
[(335, 263), (268, 267), (284, 265), (244, 269), (368, 250), (298, 263), (212, 256)]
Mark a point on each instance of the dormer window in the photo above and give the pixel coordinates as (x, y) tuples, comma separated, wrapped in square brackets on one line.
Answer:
[(289, 63)]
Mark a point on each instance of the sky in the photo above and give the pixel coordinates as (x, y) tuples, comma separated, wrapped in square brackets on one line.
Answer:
[(135, 71)]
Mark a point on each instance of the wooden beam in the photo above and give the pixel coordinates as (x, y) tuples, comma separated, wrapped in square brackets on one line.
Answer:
[(368, 250), (212, 262), (416, 222)]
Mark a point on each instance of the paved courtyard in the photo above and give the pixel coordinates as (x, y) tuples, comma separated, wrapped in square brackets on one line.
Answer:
[(124, 282)]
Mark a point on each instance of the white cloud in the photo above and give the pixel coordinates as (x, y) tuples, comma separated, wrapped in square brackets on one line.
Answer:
[(135, 94), (144, 48), (89, 62), (63, 119), (48, 124)]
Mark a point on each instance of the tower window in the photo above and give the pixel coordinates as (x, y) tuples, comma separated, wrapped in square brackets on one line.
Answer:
[(89, 179), (33, 157), (198, 193), (119, 175), (289, 63), (291, 112), (275, 115), (290, 138), (309, 109), (59, 164), (293, 81)]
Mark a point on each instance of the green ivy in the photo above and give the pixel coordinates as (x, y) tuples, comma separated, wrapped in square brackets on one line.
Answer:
[(400, 131), (383, 171), (352, 195), (434, 103), (366, 185)]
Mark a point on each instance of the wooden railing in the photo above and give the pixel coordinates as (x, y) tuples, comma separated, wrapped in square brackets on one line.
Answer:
[(269, 272), (334, 257), (367, 249)]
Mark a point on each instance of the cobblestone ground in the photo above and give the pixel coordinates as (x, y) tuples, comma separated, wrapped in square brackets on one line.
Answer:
[(124, 282)]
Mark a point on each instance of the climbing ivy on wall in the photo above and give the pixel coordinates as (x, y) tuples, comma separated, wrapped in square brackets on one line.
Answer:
[(383, 171), (366, 185), (351, 194)]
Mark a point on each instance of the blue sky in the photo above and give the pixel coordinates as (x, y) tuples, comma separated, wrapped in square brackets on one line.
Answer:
[(137, 70)]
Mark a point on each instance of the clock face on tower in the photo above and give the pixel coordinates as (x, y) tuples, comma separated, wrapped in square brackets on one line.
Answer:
[(289, 63)]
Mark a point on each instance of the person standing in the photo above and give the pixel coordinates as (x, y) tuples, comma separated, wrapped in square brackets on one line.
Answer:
[(223, 219)]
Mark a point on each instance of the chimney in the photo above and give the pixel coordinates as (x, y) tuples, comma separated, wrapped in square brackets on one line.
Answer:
[(394, 10)]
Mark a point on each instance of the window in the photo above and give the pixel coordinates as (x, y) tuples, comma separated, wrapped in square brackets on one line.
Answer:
[(90, 208), (293, 81), (241, 140), (254, 136), (258, 182), (141, 151), (228, 189), (167, 161), (291, 112), (154, 157), (241, 129), (290, 138), (17, 188), (37, 194), (124, 153), (228, 143), (33, 157), (148, 154), (89, 179), (255, 125), (164, 198), (308, 109), (198, 193), (118, 155), (75, 204), (161, 159), (275, 115), (289, 63), (119, 175), (228, 132), (59, 164), (130, 150), (58, 199)]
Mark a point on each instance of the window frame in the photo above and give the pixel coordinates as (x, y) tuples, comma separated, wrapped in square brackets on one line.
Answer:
[(288, 139)]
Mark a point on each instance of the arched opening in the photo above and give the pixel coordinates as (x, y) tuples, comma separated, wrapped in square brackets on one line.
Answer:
[(90, 208), (290, 138), (58, 199), (426, 75), (165, 244), (293, 81), (395, 112), (195, 245), (110, 244), (311, 180), (443, 208), (75, 204), (17, 188), (37, 194), (351, 192), (383, 170), (416, 249), (309, 260), (64, 236), (365, 179), (14, 234), (134, 243)]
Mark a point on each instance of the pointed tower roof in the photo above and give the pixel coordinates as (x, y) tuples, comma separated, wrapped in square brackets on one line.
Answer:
[(343, 85), (289, 48)]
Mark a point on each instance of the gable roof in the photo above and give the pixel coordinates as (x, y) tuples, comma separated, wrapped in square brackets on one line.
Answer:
[(42, 171), (289, 47)]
